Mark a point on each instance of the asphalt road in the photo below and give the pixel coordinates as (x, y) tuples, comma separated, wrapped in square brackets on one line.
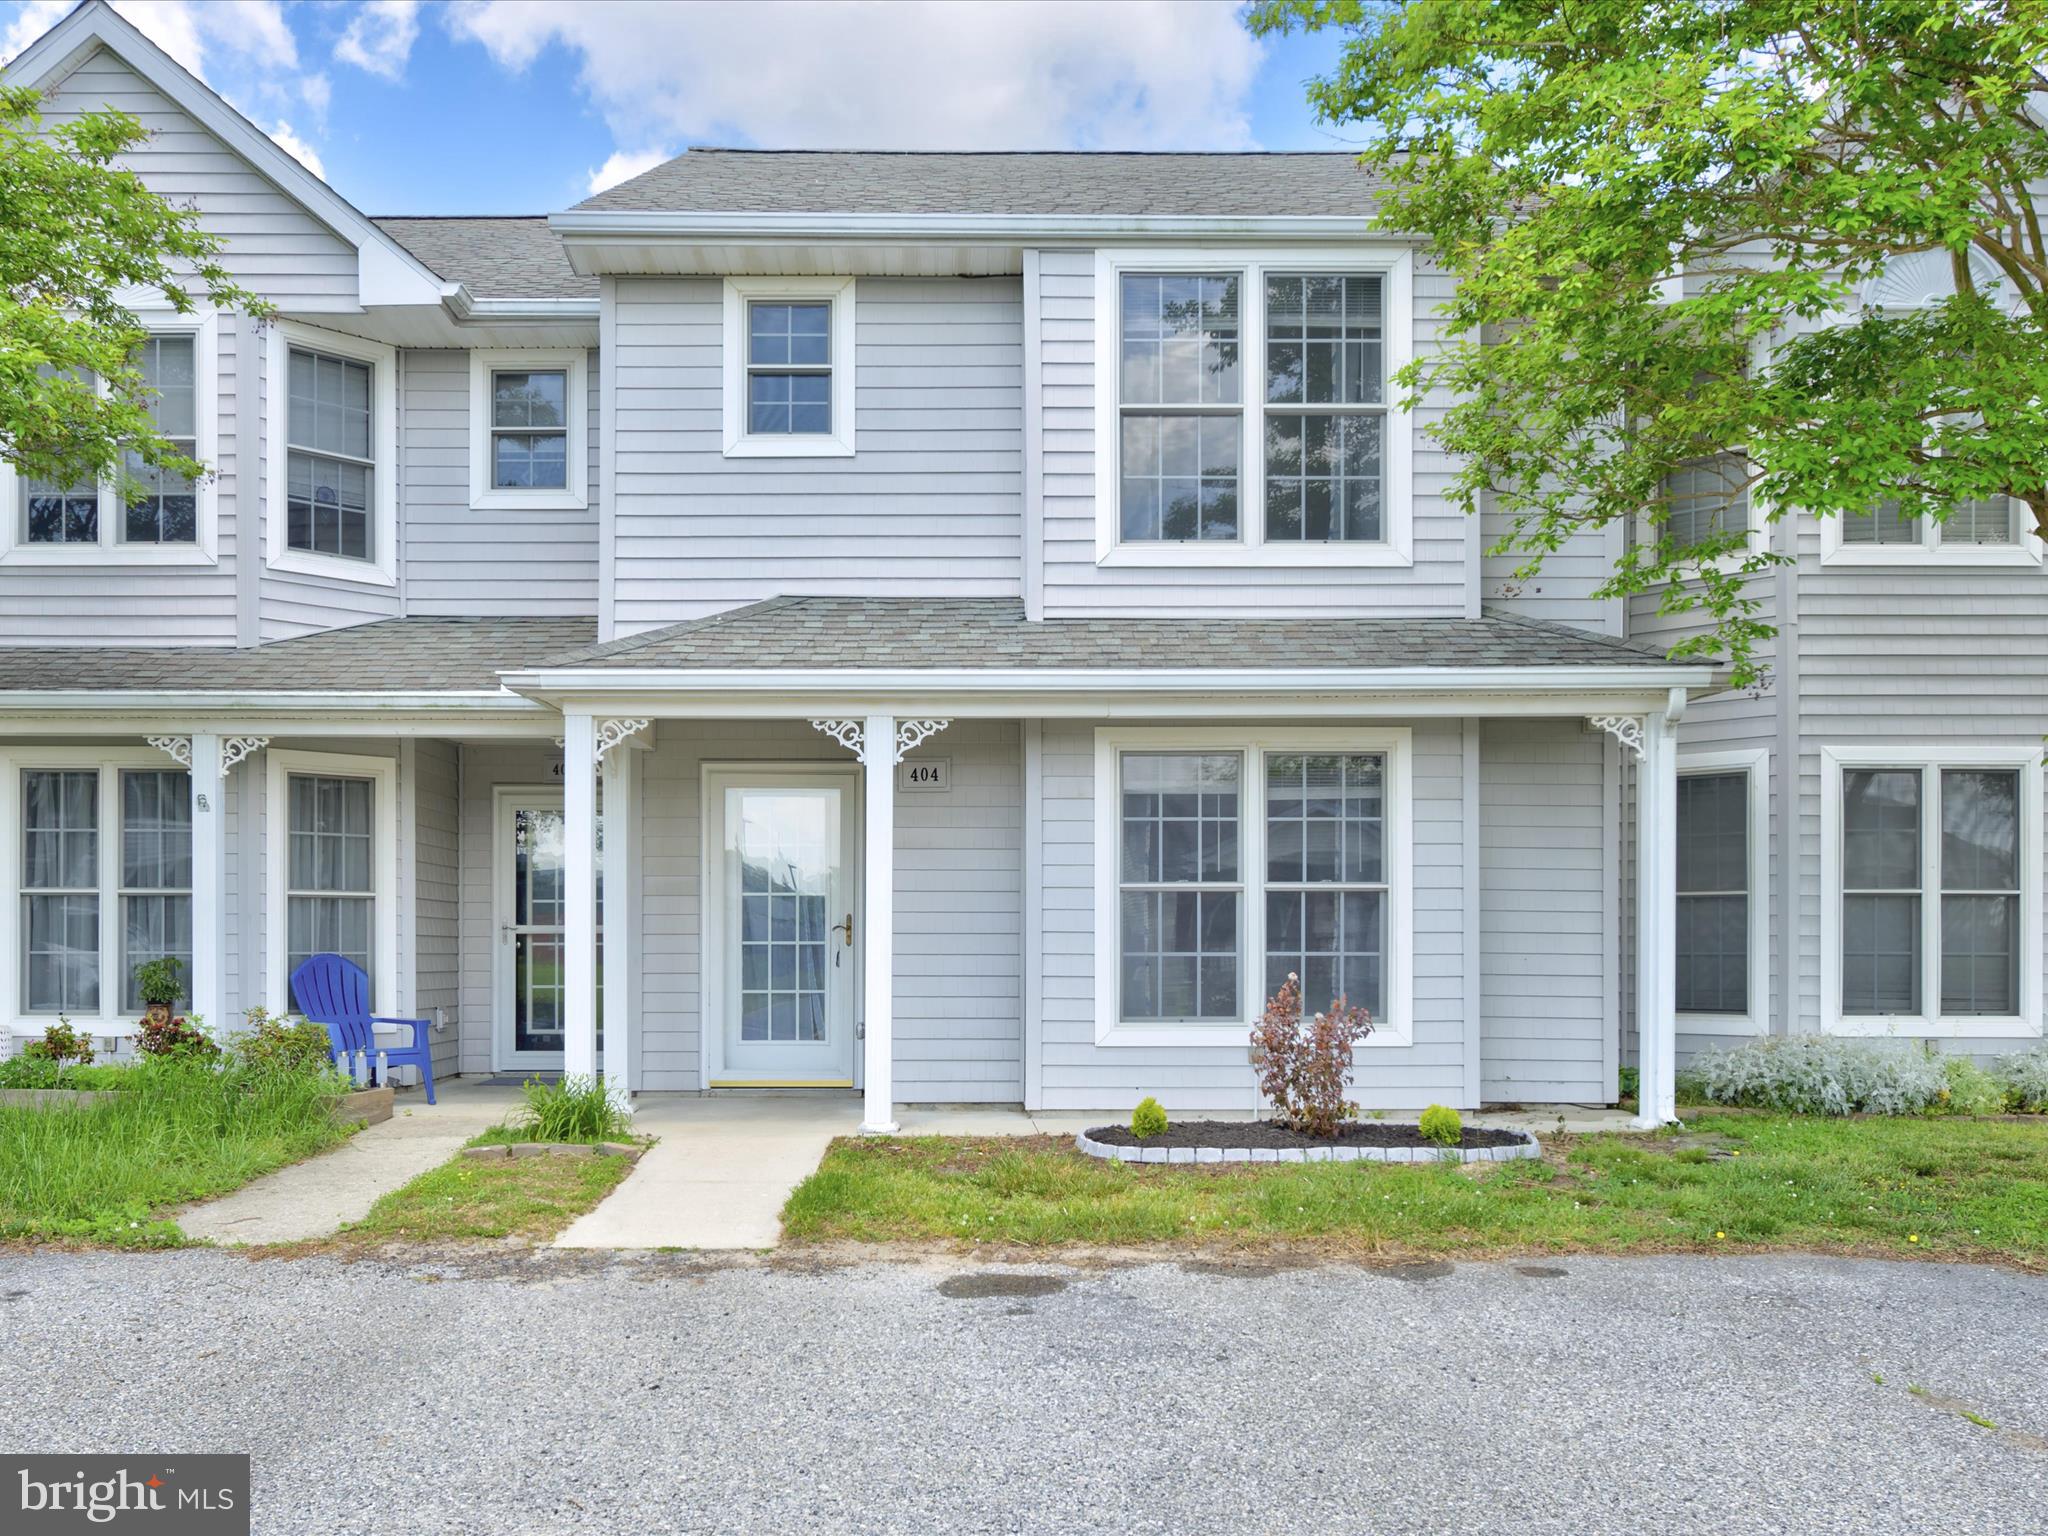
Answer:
[(643, 1394)]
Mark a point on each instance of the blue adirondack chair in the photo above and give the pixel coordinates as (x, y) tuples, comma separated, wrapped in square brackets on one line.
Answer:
[(334, 991)]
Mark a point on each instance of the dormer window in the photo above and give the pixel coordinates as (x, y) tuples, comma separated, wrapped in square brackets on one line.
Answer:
[(1302, 458)]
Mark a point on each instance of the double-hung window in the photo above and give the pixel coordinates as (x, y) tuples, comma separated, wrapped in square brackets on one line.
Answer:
[(103, 847), (1326, 407), (330, 461), (1230, 861), (1245, 409), (789, 367), (1935, 867), (1722, 876), (1182, 406), (1706, 499), (529, 438), (529, 429), (162, 507), (330, 886)]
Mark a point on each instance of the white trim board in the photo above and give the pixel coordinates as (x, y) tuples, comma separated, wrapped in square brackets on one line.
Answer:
[(1395, 1030), (1755, 766)]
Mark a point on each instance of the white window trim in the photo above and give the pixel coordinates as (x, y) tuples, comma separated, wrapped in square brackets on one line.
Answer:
[(381, 570), (1397, 1029), (1756, 766), (1930, 1023), (383, 771), (574, 363), (1396, 265), (204, 329), (839, 293), (108, 763), (1931, 552)]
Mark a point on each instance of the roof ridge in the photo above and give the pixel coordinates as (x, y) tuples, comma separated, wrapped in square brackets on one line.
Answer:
[(663, 632)]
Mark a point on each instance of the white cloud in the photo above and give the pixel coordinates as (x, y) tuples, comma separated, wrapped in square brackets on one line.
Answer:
[(624, 166), (953, 74), (251, 31), (317, 92), (288, 140), (30, 23), (380, 36)]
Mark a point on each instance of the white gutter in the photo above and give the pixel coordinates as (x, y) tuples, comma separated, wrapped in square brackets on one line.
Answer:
[(1047, 681), (597, 225), (497, 701), (466, 306)]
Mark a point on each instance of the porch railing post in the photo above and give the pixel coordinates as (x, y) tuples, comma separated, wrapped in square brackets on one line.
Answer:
[(209, 875), (579, 939), (878, 955)]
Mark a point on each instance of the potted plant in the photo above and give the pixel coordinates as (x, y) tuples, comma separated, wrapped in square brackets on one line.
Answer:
[(158, 982)]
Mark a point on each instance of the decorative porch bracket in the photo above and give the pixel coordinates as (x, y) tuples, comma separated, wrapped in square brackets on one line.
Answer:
[(233, 749), (852, 735), (1626, 729), (610, 733)]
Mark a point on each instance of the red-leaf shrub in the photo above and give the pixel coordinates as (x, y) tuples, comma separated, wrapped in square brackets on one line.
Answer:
[(1305, 1068), (60, 1043), (170, 1035)]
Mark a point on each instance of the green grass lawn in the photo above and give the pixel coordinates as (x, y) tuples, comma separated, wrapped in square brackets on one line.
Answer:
[(1949, 1188), (467, 1200), (105, 1172)]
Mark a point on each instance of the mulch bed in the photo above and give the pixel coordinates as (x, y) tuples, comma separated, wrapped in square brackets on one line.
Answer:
[(1270, 1133)]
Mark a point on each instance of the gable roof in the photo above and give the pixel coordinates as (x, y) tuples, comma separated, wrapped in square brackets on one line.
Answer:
[(513, 257), (95, 24), (1020, 183)]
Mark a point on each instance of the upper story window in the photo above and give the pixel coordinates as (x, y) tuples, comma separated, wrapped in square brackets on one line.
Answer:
[(331, 458), (1705, 499), (1326, 413), (789, 367), (331, 467), (529, 438), (142, 513), (1980, 522), (1302, 458)]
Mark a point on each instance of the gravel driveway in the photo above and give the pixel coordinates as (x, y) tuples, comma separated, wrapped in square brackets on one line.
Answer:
[(610, 1394)]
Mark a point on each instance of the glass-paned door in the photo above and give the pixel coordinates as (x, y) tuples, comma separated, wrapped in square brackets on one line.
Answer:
[(786, 934), (531, 999)]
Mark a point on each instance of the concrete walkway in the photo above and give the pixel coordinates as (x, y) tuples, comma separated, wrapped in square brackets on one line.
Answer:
[(316, 1197), (724, 1165)]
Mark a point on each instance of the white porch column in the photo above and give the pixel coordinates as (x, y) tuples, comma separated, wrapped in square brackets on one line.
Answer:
[(579, 939), (621, 831), (209, 884), (1657, 917), (878, 754)]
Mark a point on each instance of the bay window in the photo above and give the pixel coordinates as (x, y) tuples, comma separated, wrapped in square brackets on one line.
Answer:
[(1931, 922), (1307, 464), (162, 507), (1228, 860), (331, 404), (60, 891), (156, 873)]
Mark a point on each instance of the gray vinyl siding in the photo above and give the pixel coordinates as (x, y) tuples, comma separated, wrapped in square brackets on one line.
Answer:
[(274, 247), (1561, 592), (1075, 585), (1944, 656), (1547, 1011), (436, 893), (959, 861), (466, 562), (930, 505), (1080, 1074)]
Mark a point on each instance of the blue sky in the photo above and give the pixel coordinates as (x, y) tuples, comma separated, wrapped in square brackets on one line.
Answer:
[(521, 106)]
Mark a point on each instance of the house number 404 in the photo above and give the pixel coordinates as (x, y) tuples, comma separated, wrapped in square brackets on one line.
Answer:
[(925, 773)]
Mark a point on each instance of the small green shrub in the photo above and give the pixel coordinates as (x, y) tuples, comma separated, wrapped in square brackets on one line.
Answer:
[(271, 1044), (2025, 1076), (31, 1071), (1442, 1125), (574, 1109), (1630, 1082), (60, 1043), (1971, 1090), (1148, 1119)]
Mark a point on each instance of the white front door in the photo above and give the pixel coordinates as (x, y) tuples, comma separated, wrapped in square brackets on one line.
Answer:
[(529, 999), (780, 944)]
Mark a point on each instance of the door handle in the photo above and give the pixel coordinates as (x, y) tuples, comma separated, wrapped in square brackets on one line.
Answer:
[(848, 927), (504, 933)]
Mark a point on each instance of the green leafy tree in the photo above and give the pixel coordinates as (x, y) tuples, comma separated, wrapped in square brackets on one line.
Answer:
[(1661, 219), (80, 239)]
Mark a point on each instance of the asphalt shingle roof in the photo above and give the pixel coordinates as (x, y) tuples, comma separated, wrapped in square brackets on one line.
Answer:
[(962, 633), (856, 181), (498, 258), (390, 656)]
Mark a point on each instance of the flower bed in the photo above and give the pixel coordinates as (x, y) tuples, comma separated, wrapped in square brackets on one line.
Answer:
[(1267, 1141)]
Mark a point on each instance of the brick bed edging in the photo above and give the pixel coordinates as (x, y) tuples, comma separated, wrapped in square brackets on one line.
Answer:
[(1529, 1147)]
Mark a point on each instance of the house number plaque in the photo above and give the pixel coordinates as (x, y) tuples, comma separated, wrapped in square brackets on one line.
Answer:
[(931, 775)]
